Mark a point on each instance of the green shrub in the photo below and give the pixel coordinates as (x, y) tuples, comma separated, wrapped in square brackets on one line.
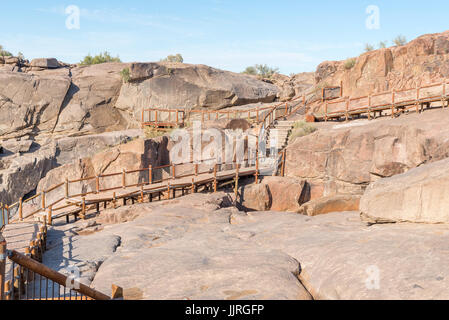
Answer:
[(350, 63), (151, 133), (383, 44), (302, 129), (4, 53), (100, 58), (400, 41), (174, 58), (368, 47), (261, 70), (125, 75)]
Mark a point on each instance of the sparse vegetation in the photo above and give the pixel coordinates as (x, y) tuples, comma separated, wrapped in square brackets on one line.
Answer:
[(400, 41), (302, 129), (261, 70), (4, 53), (350, 63), (151, 133), (383, 44), (174, 58), (100, 58), (21, 56), (368, 47), (125, 75)]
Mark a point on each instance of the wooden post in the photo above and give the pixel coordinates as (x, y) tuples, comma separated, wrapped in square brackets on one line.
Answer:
[(193, 185), (173, 172), (215, 178), (155, 117), (177, 117), (3, 215), (341, 88), (21, 209), (43, 200), (83, 208), (369, 107), (283, 163), (168, 190), (325, 112), (7, 290), (237, 174), (117, 293), (124, 179), (256, 175), (97, 184), (392, 103), (114, 200), (2, 266), (196, 169), (150, 174), (347, 109), (66, 188), (286, 109), (50, 216), (141, 194), (143, 118)]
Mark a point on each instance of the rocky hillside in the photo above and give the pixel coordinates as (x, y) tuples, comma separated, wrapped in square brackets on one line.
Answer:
[(422, 61), (51, 98)]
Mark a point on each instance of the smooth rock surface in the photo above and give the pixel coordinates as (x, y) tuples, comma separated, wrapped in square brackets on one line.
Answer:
[(419, 195)]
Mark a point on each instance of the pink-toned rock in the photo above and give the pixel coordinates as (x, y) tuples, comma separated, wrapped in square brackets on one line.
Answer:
[(331, 204)]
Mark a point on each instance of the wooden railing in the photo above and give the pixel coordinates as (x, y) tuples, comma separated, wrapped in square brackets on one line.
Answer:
[(178, 117), (60, 197), (393, 100), (24, 277)]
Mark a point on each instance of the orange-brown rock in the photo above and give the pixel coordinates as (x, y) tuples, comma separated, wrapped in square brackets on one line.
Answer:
[(346, 158), (331, 204), (422, 61), (276, 194)]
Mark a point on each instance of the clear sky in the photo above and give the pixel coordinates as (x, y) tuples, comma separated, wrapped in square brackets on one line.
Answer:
[(229, 34)]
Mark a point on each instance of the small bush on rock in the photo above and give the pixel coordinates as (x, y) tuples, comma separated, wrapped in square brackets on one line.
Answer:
[(174, 58), (302, 129), (350, 63), (100, 58), (125, 75)]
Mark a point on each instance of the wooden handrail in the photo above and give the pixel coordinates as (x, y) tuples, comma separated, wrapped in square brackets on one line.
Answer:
[(55, 276)]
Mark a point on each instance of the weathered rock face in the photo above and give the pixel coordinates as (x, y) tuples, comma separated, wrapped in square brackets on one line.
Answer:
[(137, 154), (196, 248), (49, 97), (30, 104), (21, 175), (420, 195), (295, 85), (422, 61), (183, 86), (17, 170), (46, 63), (345, 159), (276, 194), (331, 204), (90, 103)]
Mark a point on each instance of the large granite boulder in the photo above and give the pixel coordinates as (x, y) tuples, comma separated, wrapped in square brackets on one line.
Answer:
[(89, 106), (30, 104), (184, 86), (419, 195), (276, 194), (419, 62), (45, 63), (346, 158)]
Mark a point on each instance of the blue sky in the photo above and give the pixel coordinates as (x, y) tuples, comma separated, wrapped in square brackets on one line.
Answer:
[(229, 34)]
